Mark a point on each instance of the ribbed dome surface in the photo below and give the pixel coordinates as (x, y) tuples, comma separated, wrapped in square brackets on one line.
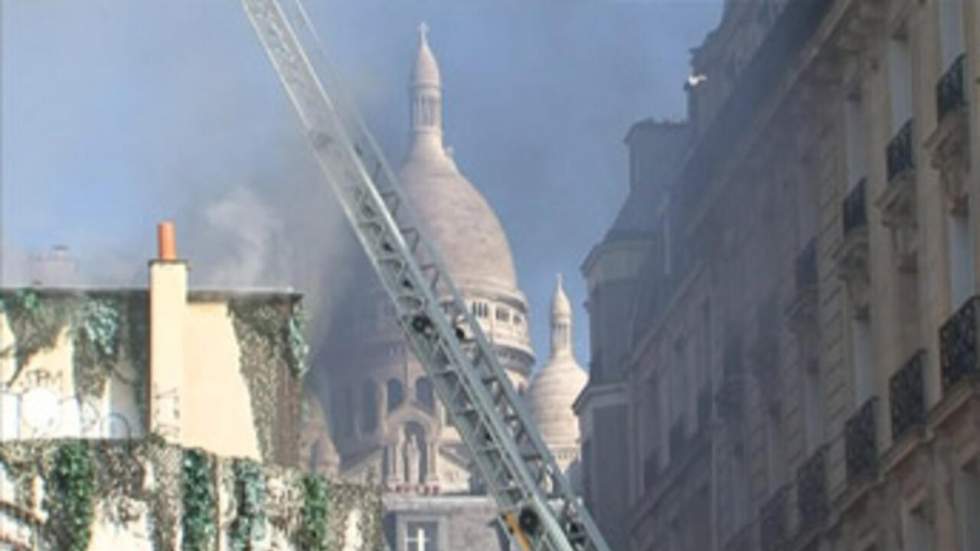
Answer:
[(552, 393), (459, 220)]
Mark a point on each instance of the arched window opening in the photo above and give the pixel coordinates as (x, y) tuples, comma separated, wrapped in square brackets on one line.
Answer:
[(396, 394), (423, 393)]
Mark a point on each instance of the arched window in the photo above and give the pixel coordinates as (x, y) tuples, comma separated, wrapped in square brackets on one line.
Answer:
[(423, 393), (396, 394), (346, 413), (369, 407)]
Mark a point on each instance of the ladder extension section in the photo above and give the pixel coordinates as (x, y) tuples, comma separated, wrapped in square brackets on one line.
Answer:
[(516, 466)]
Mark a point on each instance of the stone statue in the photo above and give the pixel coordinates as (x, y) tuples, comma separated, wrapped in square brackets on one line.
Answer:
[(412, 456)]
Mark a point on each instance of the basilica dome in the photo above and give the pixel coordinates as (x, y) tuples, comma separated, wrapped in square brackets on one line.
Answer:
[(453, 214)]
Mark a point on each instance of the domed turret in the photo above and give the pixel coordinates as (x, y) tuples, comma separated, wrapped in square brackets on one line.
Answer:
[(556, 386)]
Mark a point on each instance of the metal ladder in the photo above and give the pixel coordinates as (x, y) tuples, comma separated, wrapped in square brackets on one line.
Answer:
[(538, 507)]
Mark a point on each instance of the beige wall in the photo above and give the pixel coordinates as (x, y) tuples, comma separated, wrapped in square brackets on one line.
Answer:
[(216, 412)]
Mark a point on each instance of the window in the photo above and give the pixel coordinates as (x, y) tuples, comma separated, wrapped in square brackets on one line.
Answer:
[(951, 19), (503, 314), (961, 270), (854, 125), (862, 358), (347, 415), (421, 536), (900, 80), (423, 393), (396, 394)]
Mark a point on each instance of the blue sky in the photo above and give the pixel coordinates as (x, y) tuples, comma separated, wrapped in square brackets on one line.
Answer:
[(116, 114)]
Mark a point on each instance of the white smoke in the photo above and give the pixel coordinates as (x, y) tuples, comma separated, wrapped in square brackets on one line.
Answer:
[(250, 243)]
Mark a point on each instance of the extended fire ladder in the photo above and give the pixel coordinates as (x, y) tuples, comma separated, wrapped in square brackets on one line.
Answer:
[(538, 507)]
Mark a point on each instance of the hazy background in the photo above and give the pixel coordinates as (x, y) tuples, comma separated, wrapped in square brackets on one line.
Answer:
[(116, 114)]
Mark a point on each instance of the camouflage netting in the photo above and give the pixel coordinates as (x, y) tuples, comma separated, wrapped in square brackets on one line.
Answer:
[(74, 494)]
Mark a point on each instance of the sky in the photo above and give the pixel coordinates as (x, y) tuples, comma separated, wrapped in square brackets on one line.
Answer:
[(117, 114)]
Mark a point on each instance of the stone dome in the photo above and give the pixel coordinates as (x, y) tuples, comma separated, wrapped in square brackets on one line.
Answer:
[(453, 213), (555, 387)]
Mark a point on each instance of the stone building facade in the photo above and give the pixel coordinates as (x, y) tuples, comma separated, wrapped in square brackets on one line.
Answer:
[(784, 315), (385, 421)]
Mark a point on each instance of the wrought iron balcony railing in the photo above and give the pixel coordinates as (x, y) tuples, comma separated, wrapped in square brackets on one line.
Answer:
[(908, 396), (813, 500), (806, 267), (958, 345), (773, 521), (861, 443), (899, 152), (950, 91), (855, 208)]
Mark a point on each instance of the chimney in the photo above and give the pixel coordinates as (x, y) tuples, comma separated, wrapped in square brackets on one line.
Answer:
[(168, 311)]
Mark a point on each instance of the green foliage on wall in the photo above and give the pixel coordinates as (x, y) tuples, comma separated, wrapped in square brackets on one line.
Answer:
[(198, 522), (299, 350), (70, 501), (312, 533), (35, 323), (94, 323), (96, 327), (249, 525)]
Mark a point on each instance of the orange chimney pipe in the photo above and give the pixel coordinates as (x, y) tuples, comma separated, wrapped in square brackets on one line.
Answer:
[(166, 242)]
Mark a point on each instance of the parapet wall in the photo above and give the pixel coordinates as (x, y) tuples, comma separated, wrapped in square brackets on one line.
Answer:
[(148, 495)]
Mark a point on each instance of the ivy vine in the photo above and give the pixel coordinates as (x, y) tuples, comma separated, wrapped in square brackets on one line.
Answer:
[(312, 533), (258, 328), (35, 323), (70, 500), (299, 349), (250, 494), (96, 330), (198, 522)]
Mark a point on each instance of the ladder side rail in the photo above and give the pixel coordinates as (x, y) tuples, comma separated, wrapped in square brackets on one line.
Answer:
[(289, 59)]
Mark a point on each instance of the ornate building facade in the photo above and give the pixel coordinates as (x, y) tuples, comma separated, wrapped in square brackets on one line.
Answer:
[(784, 317), (386, 422)]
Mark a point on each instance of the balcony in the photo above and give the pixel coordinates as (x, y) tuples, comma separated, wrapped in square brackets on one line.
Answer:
[(908, 397), (950, 90), (958, 346), (899, 153), (898, 202), (813, 501), (855, 208), (773, 521), (861, 443), (806, 266), (852, 254)]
